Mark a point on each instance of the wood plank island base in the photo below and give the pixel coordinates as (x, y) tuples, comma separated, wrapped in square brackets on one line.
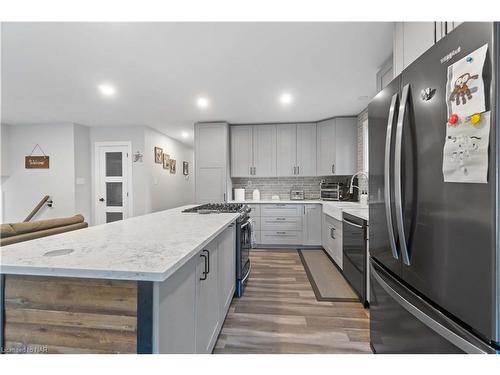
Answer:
[(72, 315)]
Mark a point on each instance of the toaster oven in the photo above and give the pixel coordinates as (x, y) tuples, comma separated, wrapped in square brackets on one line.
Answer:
[(330, 191)]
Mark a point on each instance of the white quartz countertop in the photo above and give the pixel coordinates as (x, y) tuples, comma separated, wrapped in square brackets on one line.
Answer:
[(149, 248), (331, 208), (274, 201)]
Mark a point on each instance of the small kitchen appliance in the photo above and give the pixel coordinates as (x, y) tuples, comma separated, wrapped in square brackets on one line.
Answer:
[(296, 195)]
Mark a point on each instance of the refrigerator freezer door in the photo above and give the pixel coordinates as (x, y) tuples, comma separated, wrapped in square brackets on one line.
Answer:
[(382, 117), (450, 226), (401, 322)]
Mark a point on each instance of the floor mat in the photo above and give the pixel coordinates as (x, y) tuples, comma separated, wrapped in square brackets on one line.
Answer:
[(326, 280)]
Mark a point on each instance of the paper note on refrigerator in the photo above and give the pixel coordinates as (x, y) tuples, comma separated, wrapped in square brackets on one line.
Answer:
[(465, 86), (465, 153)]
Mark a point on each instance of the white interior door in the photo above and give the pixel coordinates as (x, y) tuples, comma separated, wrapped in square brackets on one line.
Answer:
[(112, 198)]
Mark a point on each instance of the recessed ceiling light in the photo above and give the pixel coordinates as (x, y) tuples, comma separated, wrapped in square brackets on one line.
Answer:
[(202, 102), (107, 90), (185, 134), (286, 98)]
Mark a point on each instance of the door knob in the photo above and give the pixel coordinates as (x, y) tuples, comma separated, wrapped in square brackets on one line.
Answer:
[(101, 199)]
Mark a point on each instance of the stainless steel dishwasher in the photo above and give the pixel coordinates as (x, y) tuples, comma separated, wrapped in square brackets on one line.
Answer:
[(354, 254)]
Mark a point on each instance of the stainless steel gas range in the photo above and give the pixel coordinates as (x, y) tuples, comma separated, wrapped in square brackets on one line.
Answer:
[(243, 237)]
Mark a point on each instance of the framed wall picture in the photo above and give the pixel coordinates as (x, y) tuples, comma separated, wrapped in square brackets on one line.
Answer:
[(158, 155), (185, 168), (172, 165), (166, 161)]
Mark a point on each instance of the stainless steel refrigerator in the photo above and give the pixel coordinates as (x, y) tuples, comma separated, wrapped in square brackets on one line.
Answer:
[(434, 245)]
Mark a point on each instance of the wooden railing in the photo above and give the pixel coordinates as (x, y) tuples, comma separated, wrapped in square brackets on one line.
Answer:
[(38, 207)]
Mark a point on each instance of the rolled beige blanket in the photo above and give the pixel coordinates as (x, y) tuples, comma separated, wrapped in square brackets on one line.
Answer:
[(8, 230)]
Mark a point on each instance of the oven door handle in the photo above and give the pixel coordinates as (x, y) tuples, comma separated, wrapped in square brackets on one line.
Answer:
[(245, 224)]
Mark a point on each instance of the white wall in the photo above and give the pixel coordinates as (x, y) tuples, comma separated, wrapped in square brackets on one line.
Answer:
[(69, 180), (83, 172), (168, 190), (23, 188)]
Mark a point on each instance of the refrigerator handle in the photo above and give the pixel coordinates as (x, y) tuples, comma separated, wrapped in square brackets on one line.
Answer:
[(387, 176), (441, 329), (397, 175)]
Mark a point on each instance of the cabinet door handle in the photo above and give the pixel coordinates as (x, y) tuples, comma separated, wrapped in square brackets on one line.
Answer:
[(280, 218), (254, 171), (280, 232), (332, 231), (333, 168), (205, 271), (208, 260), (298, 169), (250, 169)]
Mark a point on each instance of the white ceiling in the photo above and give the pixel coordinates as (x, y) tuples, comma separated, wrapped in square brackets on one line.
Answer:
[(50, 71)]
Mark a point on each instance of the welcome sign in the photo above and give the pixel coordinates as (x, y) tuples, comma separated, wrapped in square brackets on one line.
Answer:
[(36, 162)]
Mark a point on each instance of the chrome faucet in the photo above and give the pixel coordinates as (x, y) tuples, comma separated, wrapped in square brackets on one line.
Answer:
[(351, 186)]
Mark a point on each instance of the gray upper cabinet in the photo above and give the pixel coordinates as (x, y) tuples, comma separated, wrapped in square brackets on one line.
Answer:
[(241, 151), (326, 148), (264, 150), (211, 153), (346, 146), (306, 150), (253, 151), (337, 146), (286, 148)]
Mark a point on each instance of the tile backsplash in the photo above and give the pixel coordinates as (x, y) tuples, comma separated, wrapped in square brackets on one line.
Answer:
[(281, 186)]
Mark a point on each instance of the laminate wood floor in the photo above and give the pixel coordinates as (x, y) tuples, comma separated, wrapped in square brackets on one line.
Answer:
[(279, 313)]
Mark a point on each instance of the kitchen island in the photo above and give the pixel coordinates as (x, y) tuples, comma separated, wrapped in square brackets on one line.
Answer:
[(158, 283)]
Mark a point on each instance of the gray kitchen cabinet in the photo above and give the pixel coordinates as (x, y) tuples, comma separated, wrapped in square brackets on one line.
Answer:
[(296, 150), (346, 146), (337, 146), (326, 147), (306, 150), (241, 151), (411, 39), (253, 151), (188, 311), (227, 269), (207, 299), (264, 150), (312, 225), (176, 311), (211, 152), (331, 238), (286, 150)]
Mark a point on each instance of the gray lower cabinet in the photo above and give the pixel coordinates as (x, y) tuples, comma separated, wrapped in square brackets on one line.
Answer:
[(207, 301), (227, 269), (312, 225), (287, 224), (331, 238), (190, 306)]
